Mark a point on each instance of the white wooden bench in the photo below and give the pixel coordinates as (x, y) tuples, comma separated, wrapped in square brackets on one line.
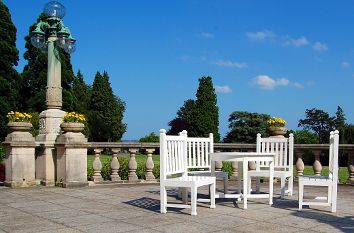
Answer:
[(283, 162), (174, 173)]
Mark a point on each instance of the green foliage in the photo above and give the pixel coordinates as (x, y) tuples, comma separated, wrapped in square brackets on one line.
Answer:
[(305, 137), (82, 93), (2, 153), (152, 137), (183, 119), (35, 123), (205, 114), (9, 98), (106, 111), (348, 134), (244, 127), (319, 122)]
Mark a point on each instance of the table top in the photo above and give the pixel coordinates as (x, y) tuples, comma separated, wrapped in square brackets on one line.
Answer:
[(239, 155)]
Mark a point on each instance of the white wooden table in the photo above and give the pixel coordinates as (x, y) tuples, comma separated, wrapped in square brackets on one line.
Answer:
[(243, 158)]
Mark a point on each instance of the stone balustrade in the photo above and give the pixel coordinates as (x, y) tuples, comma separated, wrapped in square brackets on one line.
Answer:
[(132, 149)]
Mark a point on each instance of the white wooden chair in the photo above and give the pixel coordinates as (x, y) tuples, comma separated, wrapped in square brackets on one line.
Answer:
[(330, 181), (198, 158), (174, 173), (283, 162)]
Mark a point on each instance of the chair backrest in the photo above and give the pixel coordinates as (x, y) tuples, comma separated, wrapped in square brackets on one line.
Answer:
[(172, 155), (198, 150), (282, 147), (333, 155)]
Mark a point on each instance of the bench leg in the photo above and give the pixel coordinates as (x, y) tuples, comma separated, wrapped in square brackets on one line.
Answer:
[(194, 200), (301, 195), (212, 195), (163, 199)]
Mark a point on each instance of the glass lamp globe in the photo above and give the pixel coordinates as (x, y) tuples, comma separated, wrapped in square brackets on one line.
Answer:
[(54, 9), (38, 40), (70, 47)]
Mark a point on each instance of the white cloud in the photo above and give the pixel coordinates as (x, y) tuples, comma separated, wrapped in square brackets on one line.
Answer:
[(207, 35), (301, 41), (298, 85), (318, 46), (261, 35), (267, 83), (224, 63), (222, 89), (345, 65)]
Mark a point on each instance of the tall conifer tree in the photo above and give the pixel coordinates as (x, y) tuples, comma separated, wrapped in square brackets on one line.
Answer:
[(106, 111), (8, 75), (205, 116)]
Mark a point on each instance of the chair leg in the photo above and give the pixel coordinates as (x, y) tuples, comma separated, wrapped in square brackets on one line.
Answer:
[(282, 187), (212, 195), (290, 186), (329, 196), (194, 200), (301, 195), (226, 184), (334, 198), (258, 184), (163, 199), (249, 188)]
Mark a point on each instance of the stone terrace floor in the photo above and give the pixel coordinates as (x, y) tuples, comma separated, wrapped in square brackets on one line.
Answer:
[(135, 208)]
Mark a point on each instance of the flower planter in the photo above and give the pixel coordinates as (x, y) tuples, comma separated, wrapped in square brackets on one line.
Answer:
[(19, 126), (74, 127), (277, 131)]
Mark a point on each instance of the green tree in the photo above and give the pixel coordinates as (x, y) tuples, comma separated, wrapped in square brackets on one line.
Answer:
[(34, 77), (152, 137), (106, 111), (339, 123), (305, 137), (82, 94), (8, 75), (348, 134), (319, 122), (244, 127), (183, 119), (205, 114)]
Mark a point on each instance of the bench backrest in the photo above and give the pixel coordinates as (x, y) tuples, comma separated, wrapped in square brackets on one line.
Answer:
[(333, 155), (172, 155), (198, 151), (283, 149)]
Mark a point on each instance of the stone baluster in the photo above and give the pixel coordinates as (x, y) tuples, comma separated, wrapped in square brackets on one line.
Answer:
[(300, 166), (218, 164), (97, 166), (149, 165), (115, 165), (234, 173), (351, 167), (132, 165), (317, 166)]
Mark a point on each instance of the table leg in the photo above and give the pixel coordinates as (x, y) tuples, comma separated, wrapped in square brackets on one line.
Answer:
[(271, 180), (245, 181), (239, 178)]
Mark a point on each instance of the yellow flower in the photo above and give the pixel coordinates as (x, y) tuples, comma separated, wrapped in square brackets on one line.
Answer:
[(276, 121)]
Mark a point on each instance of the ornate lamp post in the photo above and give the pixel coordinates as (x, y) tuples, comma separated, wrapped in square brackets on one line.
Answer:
[(50, 35)]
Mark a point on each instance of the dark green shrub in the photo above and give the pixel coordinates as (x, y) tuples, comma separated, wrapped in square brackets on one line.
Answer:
[(2, 153)]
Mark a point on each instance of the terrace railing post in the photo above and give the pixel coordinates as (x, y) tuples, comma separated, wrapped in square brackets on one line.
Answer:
[(97, 166), (132, 165), (317, 166), (149, 165), (115, 165), (351, 167), (300, 166)]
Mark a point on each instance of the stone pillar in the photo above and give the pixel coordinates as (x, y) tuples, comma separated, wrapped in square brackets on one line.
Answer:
[(351, 167), (97, 166), (50, 119), (300, 166), (20, 158), (149, 165), (115, 165), (132, 165), (317, 166), (71, 159)]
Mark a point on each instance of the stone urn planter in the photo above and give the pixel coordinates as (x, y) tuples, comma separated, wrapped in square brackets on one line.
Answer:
[(74, 127), (276, 131), (20, 126)]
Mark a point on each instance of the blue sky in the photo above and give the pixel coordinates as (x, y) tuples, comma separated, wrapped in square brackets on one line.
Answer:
[(274, 57)]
